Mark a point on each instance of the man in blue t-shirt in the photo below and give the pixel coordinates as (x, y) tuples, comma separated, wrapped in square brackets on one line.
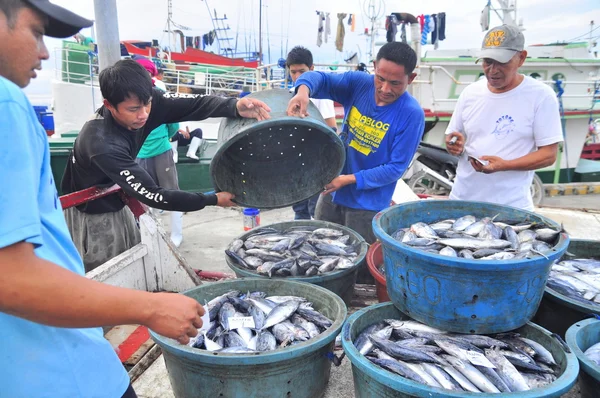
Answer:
[(51, 343), (382, 128)]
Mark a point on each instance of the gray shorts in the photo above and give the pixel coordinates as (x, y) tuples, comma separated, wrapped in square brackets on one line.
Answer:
[(162, 169), (100, 237), (359, 221)]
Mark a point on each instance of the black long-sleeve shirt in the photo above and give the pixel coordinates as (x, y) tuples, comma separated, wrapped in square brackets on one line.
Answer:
[(104, 154)]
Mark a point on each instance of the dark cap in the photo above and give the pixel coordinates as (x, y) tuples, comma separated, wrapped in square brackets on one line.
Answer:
[(502, 43), (61, 22)]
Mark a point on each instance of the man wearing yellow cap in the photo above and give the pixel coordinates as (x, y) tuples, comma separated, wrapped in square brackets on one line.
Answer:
[(506, 126)]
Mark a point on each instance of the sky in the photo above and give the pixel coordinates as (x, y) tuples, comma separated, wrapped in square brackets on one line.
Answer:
[(288, 23)]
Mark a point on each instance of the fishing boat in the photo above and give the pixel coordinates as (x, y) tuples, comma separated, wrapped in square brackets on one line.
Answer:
[(442, 74)]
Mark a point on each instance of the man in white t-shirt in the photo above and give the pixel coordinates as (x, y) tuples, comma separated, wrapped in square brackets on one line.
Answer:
[(300, 60), (509, 121)]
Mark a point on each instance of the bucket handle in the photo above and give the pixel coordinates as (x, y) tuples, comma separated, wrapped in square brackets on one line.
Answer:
[(563, 343), (337, 361), (596, 316)]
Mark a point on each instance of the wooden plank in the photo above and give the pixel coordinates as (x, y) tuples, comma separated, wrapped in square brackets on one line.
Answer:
[(145, 363), (141, 351)]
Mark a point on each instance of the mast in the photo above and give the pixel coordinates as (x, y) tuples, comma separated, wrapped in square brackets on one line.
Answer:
[(260, 52), (169, 31)]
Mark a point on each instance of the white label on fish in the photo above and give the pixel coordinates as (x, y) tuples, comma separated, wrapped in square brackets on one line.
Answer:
[(205, 322), (236, 322), (478, 359)]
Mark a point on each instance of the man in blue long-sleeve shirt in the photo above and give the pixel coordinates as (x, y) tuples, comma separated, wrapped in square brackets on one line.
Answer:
[(382, 129)]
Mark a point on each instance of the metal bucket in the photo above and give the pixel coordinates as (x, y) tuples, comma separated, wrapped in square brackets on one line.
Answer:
[(340, 282), (557, 312), (301, 370), (580, 337), (276, 162), (370, 381), (457, 294)]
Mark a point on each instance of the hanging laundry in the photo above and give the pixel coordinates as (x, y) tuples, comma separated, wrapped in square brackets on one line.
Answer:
[(205, 41), (425, 31), (403, 33), (189, 41), (341, 32), (327, 27), (320, 28), (391, 23), (421, 20), (434, 32), (442, 29), (353, 26), (484, 20), (197, 41)]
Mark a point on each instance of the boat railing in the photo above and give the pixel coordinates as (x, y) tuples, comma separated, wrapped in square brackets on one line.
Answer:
[(76, 66), (431, 80)]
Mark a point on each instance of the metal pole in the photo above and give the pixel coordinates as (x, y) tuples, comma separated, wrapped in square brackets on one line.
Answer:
[(260, 32), (107, 29), (590, 41)]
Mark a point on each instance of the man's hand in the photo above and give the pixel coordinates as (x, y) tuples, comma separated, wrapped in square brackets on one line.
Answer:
[(225, 199), (253, 109), (495, 164), (185, 133), (458, 146), (298, 105), (339, 182), (174, 315)]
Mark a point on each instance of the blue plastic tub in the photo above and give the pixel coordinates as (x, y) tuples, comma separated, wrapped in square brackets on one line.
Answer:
[(340, 282), (457, 294), (557, 312), (371, 381), (301, 370), (580, 337)]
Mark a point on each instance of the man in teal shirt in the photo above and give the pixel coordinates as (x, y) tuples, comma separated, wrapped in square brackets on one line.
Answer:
[(51, 343), (156, 157)]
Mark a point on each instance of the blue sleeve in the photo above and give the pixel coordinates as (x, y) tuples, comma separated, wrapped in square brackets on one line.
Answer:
[(333, 86), (19, 176), (404, 147)]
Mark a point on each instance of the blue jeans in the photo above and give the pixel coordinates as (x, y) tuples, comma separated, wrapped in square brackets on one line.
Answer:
[(305, 210)]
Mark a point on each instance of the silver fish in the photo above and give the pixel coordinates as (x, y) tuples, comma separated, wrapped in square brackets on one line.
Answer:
[(327, 233), (280, 313), (423, 230), (506, 370), (593, 353), (448, 251), (475, 243), (265, 341), (463, 222), (399, 368), (283, 335), (472, 374), (310, 327)]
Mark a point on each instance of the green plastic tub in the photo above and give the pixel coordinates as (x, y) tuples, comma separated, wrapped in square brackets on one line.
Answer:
[(301, 370)]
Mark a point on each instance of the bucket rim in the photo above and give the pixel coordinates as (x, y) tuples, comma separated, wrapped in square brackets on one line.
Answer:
[(284, 120), (586, 364), (555, 296), (390, 243), (290, 352), (373, 269), (560, 386), (309, 279)]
